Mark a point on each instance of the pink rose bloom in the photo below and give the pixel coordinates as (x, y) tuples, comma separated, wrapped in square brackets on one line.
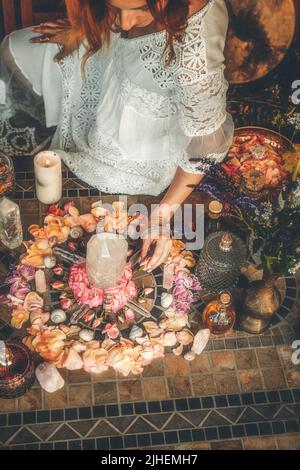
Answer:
[(112, 331), (129, 315), (66, 304), (82, 291), (20, 290), (27, 272), (126, 290)]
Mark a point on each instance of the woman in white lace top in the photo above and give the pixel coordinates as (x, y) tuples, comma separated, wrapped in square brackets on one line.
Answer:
[(138, 115)]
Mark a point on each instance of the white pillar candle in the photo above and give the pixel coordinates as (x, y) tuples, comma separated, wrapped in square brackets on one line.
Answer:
[(48, 177)]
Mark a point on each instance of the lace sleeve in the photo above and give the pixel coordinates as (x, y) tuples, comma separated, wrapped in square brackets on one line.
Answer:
[(205, 128)]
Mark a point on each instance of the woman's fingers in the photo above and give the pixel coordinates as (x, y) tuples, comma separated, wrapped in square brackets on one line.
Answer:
[(163, 247), (53, 25), (146, 245), (40, 39), (50, 31)]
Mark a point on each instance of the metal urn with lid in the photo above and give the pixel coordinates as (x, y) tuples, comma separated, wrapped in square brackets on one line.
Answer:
[(220, 261)]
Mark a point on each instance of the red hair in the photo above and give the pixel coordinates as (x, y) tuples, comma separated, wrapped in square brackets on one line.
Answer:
[(93, 21)]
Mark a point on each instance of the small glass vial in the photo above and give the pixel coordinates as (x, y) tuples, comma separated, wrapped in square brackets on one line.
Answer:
[(214, 222), (219, 316), (11, 233)]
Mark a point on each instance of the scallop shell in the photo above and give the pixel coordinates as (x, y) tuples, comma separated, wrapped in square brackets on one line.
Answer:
[(38, 318), (87, 335), (185, 337), (136, 332), (190, 356), (58, 316), (166, 300), (170, 339), (73, 211), (33, 302)]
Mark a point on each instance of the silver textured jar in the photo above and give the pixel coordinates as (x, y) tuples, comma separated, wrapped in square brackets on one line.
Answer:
[(220, 262)]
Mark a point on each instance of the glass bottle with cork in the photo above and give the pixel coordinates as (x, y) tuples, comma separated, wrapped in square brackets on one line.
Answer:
[(214, 218), (219, 316)]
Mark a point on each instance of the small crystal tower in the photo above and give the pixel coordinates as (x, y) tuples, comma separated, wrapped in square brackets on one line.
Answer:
[(220, 262), (106, 260), (11, 234)]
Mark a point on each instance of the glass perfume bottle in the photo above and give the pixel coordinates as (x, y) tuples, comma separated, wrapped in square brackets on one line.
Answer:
[(11, 233), (219, 316), (214, 221)]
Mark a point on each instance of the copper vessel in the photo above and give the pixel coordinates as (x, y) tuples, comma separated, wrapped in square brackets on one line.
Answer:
[(17, 371), (261, 303)]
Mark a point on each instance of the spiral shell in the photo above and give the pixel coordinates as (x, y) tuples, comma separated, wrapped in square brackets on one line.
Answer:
[(58, 316), (76, 232)]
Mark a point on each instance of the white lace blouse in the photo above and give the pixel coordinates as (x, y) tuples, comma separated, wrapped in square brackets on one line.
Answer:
[(130, 121)]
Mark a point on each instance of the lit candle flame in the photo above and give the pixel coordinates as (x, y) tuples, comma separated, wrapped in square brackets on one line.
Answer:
[(47, 163)]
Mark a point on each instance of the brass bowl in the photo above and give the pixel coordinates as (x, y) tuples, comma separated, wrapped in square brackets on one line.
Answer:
[(254, 326), (255, 50)]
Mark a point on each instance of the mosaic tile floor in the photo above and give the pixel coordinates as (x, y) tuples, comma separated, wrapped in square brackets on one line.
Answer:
[(243, 392)]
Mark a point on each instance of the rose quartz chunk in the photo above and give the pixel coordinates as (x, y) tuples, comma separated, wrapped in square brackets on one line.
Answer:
[(49, 378)]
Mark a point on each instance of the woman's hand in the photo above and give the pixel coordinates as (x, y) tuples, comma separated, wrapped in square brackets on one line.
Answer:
[(52, 32), (156, 249)]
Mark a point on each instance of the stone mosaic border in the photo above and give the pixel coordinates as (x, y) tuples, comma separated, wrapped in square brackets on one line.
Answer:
[(155, 423)]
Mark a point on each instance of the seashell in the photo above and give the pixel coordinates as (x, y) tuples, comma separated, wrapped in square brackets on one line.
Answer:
[(70, 331), (33, 302), (136, 332), (76, 232), (142, 340), (185, 337), (50, 262), (58, 316), (88, 223), (97, 204), (178, 351), (170, 339), (52, 241), (190, 262), (170, 313), (71, 222), (38, 318), (152, 329), (190, 356), (73, 211), (166, 300), (99, 212), (87, 335), (200, 341)]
